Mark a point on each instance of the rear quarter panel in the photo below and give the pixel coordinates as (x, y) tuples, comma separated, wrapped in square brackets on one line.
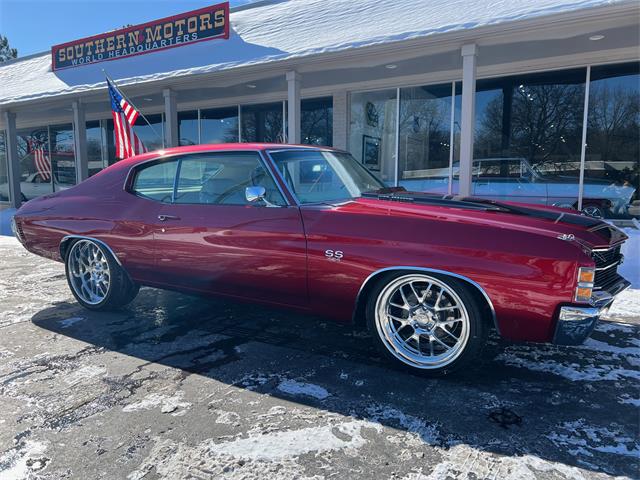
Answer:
[(97, 208)]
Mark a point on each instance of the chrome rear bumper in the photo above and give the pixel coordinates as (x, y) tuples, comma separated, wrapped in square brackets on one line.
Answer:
[(575, 323)]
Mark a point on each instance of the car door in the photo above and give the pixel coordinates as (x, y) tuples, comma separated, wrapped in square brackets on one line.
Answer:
[(210, 238), (135, 215)]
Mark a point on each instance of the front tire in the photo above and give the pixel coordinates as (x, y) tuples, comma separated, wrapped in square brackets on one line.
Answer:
[(95, 278), (429, 324)]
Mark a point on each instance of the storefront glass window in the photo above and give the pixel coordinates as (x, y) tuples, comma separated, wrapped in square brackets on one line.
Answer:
[(188, 128), (425, 131), (612, 162), (35, 162), (63, 162), (95, 147), (152, 136), (527, 138), (263, 123), (219, 125), (373, 132), (4, 172), (316, 122)]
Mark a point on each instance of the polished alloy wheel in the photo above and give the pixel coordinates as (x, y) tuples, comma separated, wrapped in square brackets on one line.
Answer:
[(422, 321), (89, 272), (593, 211)]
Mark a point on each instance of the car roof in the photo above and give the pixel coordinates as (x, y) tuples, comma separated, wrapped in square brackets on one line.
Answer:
[(217, 147)]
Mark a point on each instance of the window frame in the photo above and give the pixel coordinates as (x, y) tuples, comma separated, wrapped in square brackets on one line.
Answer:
[(135, 169), (281, 178)]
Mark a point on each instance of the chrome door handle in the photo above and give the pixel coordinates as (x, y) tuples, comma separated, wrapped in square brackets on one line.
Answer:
[(164, 218)]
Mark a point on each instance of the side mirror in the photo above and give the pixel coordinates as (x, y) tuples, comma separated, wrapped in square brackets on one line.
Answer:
[(255, 194)]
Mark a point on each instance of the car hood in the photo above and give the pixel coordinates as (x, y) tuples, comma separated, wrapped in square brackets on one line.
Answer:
[(548, 221)]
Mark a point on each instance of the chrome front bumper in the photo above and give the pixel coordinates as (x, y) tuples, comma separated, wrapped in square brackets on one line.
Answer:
[(575, 323)]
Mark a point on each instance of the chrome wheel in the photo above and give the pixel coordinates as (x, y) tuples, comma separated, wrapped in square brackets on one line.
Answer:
[(593, 211), (89, 272), (422, 321)]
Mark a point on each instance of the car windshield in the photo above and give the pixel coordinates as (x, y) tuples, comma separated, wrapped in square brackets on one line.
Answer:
[(322, 176)]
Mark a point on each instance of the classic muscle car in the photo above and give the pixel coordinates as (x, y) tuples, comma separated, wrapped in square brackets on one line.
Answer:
[(514, 179), (311, 229)]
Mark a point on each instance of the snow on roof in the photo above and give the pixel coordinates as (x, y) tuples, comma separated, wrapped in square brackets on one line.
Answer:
[(279, 30)]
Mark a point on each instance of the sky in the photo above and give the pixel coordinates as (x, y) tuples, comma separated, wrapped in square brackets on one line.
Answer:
[(33, 26)]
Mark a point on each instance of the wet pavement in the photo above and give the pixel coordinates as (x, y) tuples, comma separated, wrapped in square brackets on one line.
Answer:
[(185, 387)]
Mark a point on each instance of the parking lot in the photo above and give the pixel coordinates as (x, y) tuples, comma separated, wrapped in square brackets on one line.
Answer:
[(185, 387)]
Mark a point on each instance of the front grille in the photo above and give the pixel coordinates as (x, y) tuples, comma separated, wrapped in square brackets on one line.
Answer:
[(607, 262), (604, 258)]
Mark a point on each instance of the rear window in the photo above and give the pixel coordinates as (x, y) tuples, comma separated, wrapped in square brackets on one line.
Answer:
[(156, 181)]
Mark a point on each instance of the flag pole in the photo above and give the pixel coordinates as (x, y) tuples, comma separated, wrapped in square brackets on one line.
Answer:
[(130, 102)]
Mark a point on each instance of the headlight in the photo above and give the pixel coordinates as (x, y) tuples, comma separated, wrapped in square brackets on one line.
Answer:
[(586, 279)]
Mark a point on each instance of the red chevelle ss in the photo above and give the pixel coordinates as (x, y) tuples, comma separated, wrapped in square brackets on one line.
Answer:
[(311, 229)]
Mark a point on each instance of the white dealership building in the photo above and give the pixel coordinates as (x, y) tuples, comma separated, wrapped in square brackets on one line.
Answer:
[(536, 101)]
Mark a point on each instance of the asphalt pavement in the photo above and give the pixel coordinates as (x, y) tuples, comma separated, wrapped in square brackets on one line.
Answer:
[(180, 387)]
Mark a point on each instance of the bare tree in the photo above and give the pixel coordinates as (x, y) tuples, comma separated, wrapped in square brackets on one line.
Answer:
[(542, 123)]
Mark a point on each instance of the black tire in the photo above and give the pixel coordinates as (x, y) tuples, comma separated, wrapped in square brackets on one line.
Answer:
[(121, 289), (478, 325)]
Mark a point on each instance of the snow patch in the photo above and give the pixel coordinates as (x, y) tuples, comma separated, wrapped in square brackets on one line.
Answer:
[(465, 461), (84, 374), (293, 387), (630, 268), (292, 443), (68, 322), (581, 437), (425, 432), (227, 418), (627, 399), (20, 462), (167, 404), (595, 361), (626, 304), (267, 456)]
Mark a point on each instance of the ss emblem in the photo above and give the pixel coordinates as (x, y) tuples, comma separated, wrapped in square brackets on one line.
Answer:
[(334, 254)]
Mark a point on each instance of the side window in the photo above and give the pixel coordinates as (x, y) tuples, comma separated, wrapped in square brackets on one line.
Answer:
[(222, 178), (156, 181)]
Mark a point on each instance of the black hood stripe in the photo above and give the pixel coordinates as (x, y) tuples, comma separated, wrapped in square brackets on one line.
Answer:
[(472, 203)]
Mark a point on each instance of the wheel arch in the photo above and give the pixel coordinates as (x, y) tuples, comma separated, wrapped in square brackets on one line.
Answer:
[(66, 242), (368, 284)]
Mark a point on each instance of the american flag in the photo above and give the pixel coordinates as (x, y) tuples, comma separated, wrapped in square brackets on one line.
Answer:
[(124, 117), (41, 159)]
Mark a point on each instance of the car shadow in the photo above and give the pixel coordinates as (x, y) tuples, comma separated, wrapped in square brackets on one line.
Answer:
[(508, 404)]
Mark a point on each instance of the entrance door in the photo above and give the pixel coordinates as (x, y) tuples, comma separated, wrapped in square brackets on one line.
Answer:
[(212, 239)]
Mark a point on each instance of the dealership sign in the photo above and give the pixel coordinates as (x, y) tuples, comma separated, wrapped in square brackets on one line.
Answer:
[(191, 27)]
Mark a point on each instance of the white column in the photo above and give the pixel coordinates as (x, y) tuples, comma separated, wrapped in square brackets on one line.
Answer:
[(293, 101), (341, 120), (171, 118), (80, 141), (583, 150), (468, 116), (13, 162)]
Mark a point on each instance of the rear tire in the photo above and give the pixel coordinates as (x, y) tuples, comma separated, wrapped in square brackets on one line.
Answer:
[(426, 323), (96, 279)]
